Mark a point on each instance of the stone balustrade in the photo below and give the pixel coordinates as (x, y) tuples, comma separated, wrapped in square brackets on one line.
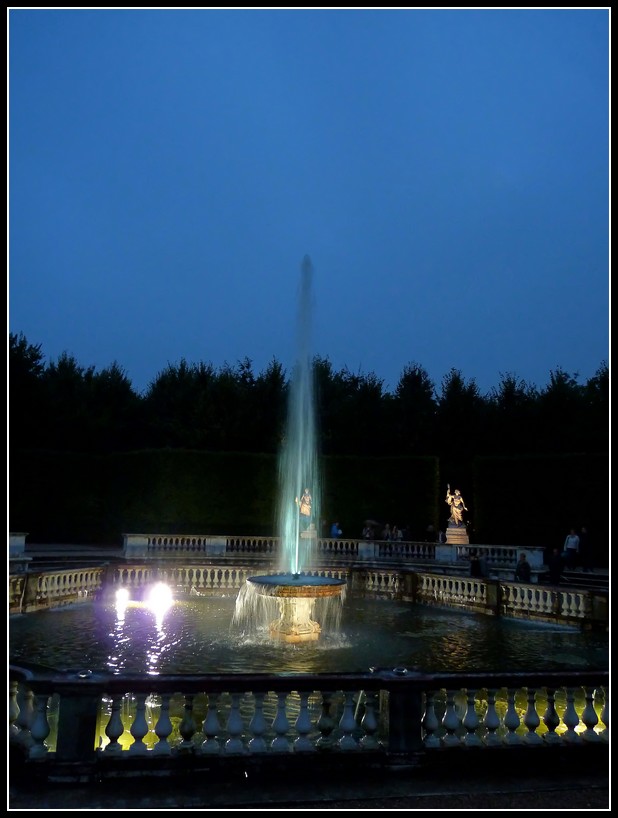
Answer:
[(87, 726), (84, 726), (560, 605), (38, 590), (497, 560)]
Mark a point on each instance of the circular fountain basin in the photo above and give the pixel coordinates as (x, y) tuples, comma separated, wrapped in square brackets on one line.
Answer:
[(296, 595), (297, 585)]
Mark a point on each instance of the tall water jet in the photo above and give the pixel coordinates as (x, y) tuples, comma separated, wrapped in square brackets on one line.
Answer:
[(299, 476), (298, 595)]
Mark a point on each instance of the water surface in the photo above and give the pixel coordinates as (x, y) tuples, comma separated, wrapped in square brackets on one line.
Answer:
[(195, 635)]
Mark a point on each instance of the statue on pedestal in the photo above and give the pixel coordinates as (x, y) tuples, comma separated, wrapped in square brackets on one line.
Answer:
[(457, 505), (304, 508)]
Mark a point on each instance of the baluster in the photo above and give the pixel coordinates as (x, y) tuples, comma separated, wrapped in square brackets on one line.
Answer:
[(570, 718), (139, 728), (25, 716), (544, 601), (491, 722), (13, 711), (326, 723), (163, 728), (187, 727), (211, 727), (572, 604), (114, 728), (430, 722), (536, 600), (234, 726), (602, 692), (511, 719), (369, 722), (531, 719), (303, 725), (589, 717), (551, 719), (471, 720), (347, 723), (40, 727), (450, 722), (257, 727), (281, 725)]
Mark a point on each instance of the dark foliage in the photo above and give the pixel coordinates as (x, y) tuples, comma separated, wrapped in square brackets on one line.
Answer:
[(63, 407)]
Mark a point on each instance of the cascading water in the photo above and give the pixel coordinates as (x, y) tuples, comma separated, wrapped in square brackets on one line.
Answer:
[(298, 596)]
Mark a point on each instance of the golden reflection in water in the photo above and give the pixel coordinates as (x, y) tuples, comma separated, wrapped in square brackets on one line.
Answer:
[(457, 645)]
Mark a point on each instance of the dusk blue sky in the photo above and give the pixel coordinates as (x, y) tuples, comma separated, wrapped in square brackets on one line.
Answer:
[(447, 171)]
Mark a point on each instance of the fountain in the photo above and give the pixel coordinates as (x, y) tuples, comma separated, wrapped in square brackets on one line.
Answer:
[(297, 594)]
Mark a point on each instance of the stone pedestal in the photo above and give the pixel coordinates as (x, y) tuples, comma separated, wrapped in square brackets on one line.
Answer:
[(135, 546), (295, 623), (310, 534), (18, 561), (457, 535), (296, 595), (17, 544)]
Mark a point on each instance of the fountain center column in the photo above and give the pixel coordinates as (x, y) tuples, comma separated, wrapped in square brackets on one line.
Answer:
[(295, 623)]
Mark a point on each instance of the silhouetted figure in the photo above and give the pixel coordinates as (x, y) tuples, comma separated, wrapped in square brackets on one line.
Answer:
[(522, 569), (585, 554), (476, 569), (555, 566)]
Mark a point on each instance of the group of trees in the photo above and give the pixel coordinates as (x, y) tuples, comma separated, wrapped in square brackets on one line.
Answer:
[(63, 406), (90, 456)]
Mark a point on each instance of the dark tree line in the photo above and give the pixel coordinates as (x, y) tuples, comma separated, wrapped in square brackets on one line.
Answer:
[(63, 406)]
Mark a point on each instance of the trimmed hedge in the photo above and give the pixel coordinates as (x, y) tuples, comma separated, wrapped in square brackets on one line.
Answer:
[(525, 500)]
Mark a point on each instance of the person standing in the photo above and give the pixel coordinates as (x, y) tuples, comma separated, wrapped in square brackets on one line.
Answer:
[(585, 555), (476, 569), (335, 531), (555, 565), (522, 569), (571, 549)]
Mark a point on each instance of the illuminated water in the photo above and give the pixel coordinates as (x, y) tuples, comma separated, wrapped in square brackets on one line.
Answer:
[(195, 636), (298, 460)]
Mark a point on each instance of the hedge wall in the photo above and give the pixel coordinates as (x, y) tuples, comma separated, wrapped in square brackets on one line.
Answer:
[(527, 500)]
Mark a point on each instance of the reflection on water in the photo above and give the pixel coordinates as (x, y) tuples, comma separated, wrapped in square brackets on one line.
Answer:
[(196, 636)]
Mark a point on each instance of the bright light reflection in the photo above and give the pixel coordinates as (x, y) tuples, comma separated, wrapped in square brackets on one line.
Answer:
[(122, 600), (160, 600)]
